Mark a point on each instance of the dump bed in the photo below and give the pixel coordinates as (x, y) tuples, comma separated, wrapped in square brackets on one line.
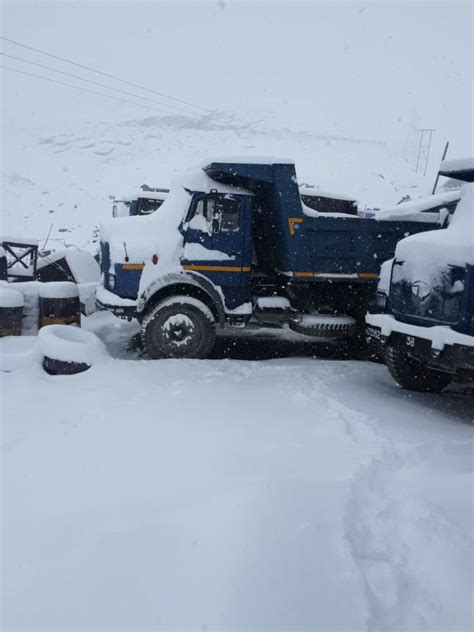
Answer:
[(303, 243)]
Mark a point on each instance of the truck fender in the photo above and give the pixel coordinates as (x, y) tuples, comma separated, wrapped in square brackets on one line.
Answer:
[(163, 287)]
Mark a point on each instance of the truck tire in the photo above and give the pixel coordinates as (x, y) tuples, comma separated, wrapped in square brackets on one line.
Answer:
[(179, 327), (413, 375), (325, 326)]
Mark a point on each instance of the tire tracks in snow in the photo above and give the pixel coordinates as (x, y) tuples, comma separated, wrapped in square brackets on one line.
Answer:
[(383, 530)]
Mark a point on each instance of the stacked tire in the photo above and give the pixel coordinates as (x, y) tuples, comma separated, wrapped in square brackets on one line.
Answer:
[(68, 350)]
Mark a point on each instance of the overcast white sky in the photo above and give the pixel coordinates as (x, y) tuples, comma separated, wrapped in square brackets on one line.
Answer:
[(363, 69)]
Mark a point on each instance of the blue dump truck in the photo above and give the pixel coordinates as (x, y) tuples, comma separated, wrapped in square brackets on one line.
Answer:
[(233, 246), (423, 320)]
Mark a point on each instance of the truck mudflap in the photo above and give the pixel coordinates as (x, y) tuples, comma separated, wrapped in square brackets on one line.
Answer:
[(452, 358)]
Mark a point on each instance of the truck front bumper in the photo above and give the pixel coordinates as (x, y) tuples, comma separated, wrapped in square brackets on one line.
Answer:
[(121, 307), (423, 343)]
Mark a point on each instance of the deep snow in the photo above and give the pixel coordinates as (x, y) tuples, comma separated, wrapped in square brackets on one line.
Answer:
[(287, 493)]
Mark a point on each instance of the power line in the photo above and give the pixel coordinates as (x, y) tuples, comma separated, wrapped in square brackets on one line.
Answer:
[(96, 83), (64, 83), (105, 74)]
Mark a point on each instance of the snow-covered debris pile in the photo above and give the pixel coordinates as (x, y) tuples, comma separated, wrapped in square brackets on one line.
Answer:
[(78, 263)]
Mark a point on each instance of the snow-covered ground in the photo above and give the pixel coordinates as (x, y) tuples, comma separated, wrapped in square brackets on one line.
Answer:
[(265, 489), (290, 492)]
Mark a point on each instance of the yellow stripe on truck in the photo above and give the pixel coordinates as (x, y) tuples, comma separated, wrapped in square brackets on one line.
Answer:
[(133, 266), (335, 275), (200, 268)]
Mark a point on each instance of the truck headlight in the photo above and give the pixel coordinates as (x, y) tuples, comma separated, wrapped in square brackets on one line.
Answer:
[(381, 300), (111, 281)]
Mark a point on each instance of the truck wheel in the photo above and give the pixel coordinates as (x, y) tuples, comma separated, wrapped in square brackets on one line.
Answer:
[(413, 375), (179, 327)]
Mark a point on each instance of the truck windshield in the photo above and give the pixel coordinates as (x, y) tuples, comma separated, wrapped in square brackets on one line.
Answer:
[(437, 298)]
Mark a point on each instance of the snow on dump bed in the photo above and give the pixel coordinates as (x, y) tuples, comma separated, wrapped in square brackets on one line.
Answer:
[(413, 207), (314, 192)]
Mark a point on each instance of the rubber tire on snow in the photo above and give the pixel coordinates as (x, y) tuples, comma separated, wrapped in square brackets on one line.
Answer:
[(329, 328), (67, 349), (413, 375), (194, 311)]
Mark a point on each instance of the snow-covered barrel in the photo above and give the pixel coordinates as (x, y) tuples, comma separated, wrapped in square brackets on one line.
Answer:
[(11, 312), (59, 304), (29, 289), (69, 350)]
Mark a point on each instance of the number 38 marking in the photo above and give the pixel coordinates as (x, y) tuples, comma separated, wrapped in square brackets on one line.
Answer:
[(410, 341)]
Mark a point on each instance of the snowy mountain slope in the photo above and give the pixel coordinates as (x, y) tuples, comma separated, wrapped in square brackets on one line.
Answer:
[(65, 176)]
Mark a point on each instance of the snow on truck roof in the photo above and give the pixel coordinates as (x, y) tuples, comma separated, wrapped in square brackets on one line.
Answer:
[(199, 181), (247, 160), (139, 194), (460, 168), (453, 245)]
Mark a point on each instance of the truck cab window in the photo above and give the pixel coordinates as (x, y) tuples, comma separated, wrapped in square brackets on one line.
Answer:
[(230, 208), (216, 214)]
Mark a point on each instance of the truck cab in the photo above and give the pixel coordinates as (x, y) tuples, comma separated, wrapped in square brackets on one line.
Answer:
[(426, 327), (234, 245)]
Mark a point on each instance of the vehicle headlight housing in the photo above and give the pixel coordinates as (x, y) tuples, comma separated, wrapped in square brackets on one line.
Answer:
[(111, 281), (381, 300)]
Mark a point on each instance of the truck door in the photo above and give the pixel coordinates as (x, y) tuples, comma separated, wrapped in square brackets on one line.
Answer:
[(217, 244)]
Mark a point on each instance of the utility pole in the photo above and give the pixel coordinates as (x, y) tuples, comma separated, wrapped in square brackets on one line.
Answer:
[(426, 136), (437, 177)]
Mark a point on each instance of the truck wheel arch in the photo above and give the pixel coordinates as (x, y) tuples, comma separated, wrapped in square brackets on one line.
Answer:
[(189, 284)]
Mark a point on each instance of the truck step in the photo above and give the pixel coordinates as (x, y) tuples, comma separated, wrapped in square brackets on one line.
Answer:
[(273, 303)]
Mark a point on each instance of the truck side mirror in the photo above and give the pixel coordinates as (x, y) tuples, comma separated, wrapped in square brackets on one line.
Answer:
[(212, 212), (216, 220)]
